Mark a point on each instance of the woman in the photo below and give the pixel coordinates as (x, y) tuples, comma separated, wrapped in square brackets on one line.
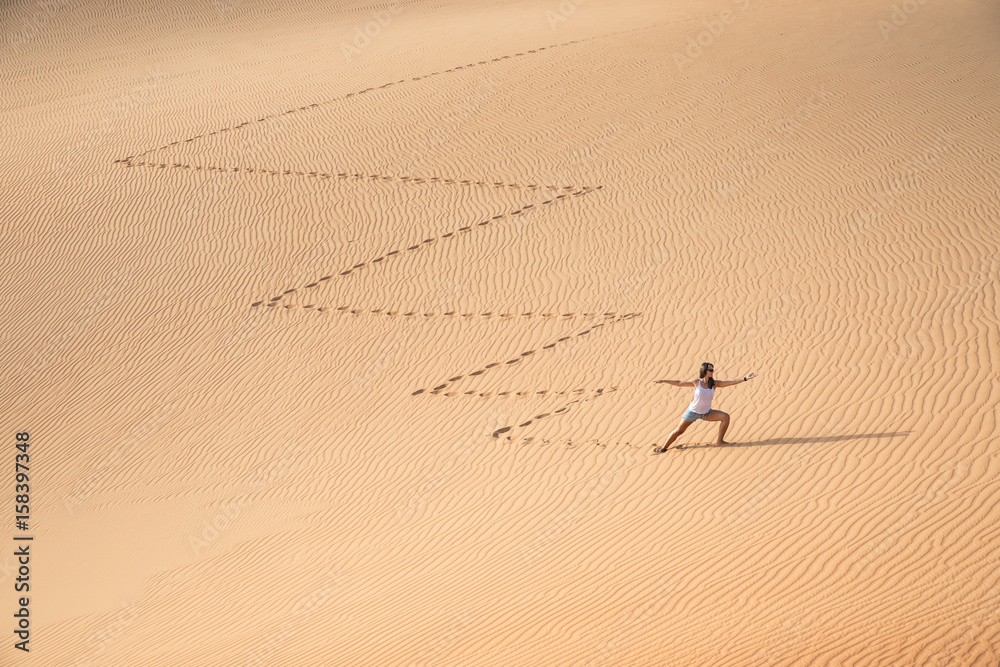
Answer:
[(701, 406)]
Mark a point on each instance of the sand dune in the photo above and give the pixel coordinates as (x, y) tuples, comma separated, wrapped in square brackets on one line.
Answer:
[(335, 331)]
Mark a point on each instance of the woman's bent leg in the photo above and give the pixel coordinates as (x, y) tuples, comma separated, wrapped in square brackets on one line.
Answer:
[(723, 417), (676, 434)]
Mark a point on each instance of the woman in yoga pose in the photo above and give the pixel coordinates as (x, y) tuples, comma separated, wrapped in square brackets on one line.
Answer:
[(701, 406)]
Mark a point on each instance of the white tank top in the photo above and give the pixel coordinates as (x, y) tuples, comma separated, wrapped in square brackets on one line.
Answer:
[(702, 402)]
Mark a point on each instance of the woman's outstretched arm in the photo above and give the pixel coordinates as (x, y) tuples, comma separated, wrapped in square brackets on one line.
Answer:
[(727, 383), (676, 383)]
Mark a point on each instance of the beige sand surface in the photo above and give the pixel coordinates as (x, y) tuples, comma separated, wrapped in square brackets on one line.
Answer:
[(275, 276)]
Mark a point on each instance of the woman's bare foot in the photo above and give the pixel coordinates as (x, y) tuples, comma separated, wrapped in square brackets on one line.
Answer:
[(722, 443)]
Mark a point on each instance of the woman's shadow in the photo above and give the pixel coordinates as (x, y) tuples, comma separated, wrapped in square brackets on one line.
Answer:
[(800, 441)]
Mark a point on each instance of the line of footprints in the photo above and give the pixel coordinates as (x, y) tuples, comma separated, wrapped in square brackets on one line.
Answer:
[(452, 380), (265, 118), (133, 161), (569, 443), (347, 175), (273, 301), (345, 310), (561, 411), (525, 394)]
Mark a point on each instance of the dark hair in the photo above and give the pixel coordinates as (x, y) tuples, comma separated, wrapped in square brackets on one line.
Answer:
[(704, 372)]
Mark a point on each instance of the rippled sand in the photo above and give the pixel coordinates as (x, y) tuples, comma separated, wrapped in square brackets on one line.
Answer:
[(335, 331)]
